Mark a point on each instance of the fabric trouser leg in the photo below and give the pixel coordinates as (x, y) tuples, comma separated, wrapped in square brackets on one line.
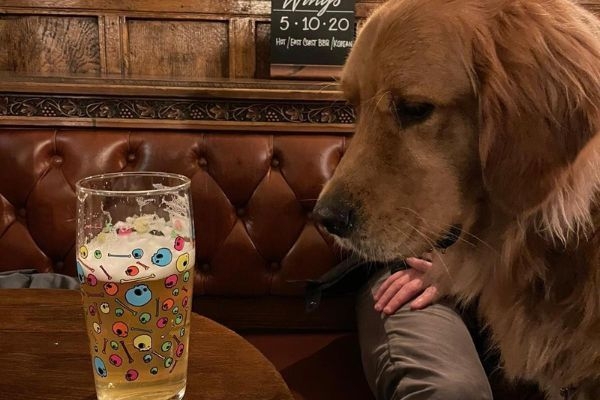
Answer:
[(417, 355)]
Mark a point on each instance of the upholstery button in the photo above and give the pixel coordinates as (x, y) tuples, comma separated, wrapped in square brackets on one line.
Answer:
[(309, 215), (241, 212), (22, 212), (205, 267), (57, 160), (275, 266), (275, 162), (131, 157), (203, 162), (59, 265)]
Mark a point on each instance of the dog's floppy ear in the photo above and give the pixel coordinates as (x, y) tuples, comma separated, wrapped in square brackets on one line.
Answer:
[(537, 72)]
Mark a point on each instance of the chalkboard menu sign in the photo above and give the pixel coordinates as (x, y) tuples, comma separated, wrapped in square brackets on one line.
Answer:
[(310, 38)]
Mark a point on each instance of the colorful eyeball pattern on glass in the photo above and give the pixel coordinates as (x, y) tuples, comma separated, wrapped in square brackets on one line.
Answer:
[(137, 325)]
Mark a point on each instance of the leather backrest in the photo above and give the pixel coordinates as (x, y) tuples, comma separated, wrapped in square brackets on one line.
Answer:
[(252, 195)]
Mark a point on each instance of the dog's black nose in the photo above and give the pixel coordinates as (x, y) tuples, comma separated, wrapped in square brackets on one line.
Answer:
[(337, 217)]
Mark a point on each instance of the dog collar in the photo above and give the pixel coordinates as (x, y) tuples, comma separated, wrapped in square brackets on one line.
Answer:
[(353, 272), (446, 240), (449, 238)]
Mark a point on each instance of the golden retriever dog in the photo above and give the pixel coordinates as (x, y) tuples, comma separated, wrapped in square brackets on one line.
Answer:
[(484, 115)]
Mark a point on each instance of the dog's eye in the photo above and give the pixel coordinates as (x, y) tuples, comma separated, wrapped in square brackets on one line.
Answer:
[(412, 113)]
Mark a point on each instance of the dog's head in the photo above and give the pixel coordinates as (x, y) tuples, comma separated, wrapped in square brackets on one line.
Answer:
[(460, 103)]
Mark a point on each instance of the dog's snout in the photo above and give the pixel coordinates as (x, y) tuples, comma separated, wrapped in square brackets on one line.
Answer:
[(337, 217)]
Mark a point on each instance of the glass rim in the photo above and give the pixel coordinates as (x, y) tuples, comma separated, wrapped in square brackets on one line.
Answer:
[(80, 184)]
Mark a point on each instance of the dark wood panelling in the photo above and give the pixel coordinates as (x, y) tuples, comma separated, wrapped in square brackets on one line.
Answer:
[(170, 39), (159, 7), (263, 50), (40, 44), (192, 49), (242, 48)]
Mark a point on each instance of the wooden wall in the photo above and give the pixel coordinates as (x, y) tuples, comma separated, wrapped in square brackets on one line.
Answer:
[(191, 39), (175, 38)]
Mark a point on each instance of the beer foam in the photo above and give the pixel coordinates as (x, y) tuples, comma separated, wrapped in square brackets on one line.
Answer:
[(140, 248)]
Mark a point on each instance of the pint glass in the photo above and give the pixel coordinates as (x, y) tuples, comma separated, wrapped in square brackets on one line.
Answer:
[(135, 258)]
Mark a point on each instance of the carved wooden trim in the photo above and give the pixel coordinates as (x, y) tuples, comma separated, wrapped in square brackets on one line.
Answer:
[(147, 111)]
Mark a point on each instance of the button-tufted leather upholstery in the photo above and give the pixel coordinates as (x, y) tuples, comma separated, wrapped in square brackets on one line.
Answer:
[(252, 197)]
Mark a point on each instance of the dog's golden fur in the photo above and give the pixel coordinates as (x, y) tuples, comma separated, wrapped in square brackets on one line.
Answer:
[(511, 152)]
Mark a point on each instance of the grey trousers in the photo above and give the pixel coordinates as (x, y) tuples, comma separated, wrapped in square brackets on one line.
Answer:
[(418, 355), (30, 278)]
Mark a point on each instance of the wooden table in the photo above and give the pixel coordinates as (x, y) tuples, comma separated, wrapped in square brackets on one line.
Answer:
[(44, 354)]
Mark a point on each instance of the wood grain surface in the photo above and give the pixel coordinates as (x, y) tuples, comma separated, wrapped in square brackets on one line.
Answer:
[(242, 48), (44, 354), (178, 48), (169, 39), (159, 86), (227, 7), (49, 44), (263, 50)]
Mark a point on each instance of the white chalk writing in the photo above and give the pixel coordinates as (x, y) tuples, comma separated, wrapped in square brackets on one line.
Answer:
[(324, 4)]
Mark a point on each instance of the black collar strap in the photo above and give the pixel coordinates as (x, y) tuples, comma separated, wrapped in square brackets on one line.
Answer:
[(448, 239), (344, 278), (352, 273)]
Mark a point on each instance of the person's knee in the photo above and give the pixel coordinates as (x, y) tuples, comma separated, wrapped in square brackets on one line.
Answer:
[(449, 389), (457, 390)]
